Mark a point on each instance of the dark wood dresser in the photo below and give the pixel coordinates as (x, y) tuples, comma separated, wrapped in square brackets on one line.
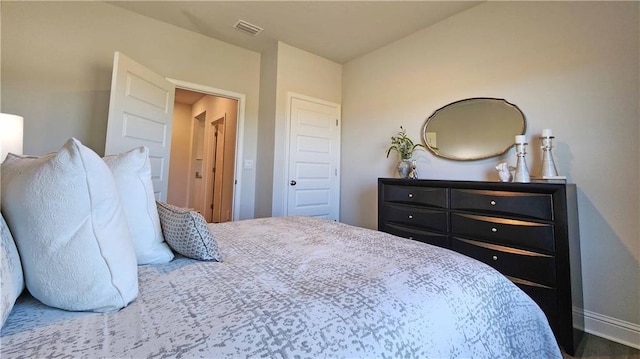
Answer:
[(527, 231)]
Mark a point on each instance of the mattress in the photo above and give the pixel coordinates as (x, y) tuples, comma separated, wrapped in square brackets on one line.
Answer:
[(291, 287)]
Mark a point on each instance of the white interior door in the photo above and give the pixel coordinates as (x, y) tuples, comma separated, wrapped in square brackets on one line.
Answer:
[(314, 157), (141, 114)]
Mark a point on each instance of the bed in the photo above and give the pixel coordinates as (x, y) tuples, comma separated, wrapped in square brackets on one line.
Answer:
[(92, 266), (298, 287)]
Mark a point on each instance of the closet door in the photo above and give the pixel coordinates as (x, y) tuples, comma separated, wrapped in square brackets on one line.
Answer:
[(314, 158)]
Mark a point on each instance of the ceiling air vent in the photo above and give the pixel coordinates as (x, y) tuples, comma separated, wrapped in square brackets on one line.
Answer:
[(248, 28)]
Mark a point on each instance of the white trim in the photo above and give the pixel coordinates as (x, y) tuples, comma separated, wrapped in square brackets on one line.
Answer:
[(338, 107), (222, 116), (241, 98), (287, 156), (190, 179), (610, 328)]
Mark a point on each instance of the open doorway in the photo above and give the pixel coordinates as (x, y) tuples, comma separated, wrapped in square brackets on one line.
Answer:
[(203, 154)]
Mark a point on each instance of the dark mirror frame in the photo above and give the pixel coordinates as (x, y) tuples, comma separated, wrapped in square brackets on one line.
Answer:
[(499, 149)]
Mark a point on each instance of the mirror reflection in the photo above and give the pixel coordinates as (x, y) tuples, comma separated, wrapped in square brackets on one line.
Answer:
[(473, 129)]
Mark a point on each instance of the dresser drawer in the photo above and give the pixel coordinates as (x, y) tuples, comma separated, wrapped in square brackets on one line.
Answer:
[(523, 234), (534, 205), (530, 266), (424, 196), (437, 239), (416, 216), (545, 297)]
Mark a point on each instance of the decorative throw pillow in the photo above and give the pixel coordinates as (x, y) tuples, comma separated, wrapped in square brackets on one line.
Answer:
[(65, 215), (132, 172), (11, 279), (187, 233)]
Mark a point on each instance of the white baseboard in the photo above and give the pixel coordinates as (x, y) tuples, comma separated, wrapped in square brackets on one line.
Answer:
[(610, 328)]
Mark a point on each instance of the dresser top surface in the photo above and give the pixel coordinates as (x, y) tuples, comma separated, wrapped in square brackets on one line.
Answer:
[(504, 186)]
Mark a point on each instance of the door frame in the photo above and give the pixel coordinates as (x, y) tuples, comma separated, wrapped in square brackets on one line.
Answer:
[(212, 154), (285, 183), (241, 98)]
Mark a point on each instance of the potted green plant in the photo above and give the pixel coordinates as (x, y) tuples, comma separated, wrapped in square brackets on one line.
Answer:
[(404, 146)]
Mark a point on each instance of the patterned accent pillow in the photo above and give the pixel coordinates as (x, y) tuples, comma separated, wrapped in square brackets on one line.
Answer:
[(187, 233)]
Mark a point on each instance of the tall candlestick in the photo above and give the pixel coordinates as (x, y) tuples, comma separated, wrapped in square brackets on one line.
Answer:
[(548, 165), (522, 172)]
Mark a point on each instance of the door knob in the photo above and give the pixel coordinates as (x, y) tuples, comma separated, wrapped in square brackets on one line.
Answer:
[(293, 182)]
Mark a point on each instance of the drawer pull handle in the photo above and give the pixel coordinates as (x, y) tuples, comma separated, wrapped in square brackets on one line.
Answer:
[(410, 216), (494, 229), (495, 258), (493, 203), (410, 195)]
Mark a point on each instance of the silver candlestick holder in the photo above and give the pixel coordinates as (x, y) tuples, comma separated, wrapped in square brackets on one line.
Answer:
[(522, 172), (548, 165)]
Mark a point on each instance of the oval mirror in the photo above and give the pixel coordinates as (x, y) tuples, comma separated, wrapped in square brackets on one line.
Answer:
[(473, 128)]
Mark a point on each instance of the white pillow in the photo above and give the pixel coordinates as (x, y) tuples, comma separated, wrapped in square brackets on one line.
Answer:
[(132, 172), (11, 278), (65, 215)]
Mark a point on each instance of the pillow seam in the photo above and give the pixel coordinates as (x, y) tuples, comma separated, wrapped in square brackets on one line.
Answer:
[(93, 227), (200, 236)]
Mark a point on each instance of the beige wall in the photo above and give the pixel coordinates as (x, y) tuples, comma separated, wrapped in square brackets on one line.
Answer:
[(307, 74), (266, 131), (1, 4), (179, 171), (57, 61), (570, 66)]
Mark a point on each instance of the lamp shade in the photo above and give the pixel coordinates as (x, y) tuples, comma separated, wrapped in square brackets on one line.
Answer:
[(11, 132)]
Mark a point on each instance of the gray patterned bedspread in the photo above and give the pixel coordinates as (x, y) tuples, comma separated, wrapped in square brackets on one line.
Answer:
[(299, 287)]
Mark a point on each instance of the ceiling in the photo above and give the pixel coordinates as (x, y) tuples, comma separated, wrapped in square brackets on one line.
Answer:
[(337, 30), (187, 97)]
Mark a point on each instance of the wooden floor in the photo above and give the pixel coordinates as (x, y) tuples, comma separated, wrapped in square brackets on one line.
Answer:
[(594, 347)]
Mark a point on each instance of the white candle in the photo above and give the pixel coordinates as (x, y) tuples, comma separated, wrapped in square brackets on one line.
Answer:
[(520, 139), (547, 132)]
